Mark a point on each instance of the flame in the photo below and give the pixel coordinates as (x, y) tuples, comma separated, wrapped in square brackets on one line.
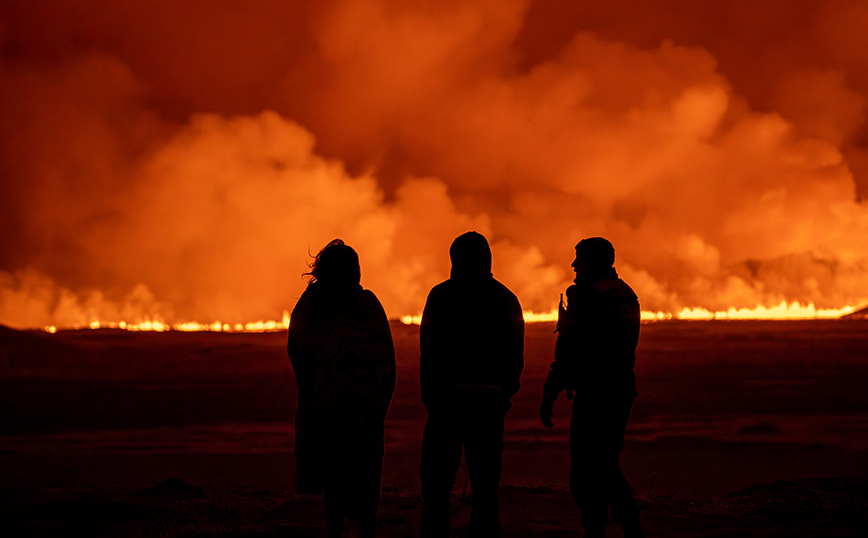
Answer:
[(187, 326), (411, 320), (533, 317), (781, 311)]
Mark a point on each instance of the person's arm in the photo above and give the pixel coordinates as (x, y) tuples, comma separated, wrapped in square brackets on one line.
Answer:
[(561, 370), (430, 349), (383, 337), (553, 386), (300, 356), (515, 356)]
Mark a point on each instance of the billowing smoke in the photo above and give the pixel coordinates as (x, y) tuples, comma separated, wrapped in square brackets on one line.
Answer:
[(181, 160)]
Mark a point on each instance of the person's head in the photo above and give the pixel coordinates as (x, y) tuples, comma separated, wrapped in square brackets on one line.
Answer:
[(471, 256), (336, 265), (595, 257)]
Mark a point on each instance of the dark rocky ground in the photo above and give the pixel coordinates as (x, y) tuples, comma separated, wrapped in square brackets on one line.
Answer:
[(741, 429)]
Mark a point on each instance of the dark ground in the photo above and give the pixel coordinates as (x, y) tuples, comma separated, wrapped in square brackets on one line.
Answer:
[(92, 423)]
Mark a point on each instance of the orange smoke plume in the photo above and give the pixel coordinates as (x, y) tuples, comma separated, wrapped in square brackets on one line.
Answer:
[(176, 162)]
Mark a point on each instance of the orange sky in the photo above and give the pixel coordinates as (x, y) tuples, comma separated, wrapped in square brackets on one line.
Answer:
[(180, 159)]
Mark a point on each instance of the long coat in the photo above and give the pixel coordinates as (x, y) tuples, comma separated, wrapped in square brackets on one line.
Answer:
[(594, 356), (341, 350)]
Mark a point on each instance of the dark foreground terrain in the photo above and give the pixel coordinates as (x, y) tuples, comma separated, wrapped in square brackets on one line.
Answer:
[(741, 429)]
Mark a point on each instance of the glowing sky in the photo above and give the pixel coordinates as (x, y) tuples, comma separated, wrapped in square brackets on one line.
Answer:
[(180, 159)]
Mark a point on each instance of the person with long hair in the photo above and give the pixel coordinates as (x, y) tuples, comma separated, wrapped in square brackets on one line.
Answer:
[(341, 350)]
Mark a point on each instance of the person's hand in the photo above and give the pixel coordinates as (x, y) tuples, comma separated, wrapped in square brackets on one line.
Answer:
[(546, 411)]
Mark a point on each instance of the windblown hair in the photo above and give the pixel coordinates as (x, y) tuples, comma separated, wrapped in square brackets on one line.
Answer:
[(337, 264)]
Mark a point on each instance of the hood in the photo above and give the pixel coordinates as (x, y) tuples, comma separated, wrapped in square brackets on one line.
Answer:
[(471, 256)]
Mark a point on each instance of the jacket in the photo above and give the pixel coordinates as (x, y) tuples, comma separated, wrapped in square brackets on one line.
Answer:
[(596, 347)]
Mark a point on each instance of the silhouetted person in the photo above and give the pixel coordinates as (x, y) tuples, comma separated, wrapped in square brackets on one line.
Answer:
[(341, 350), (472, 354), (594, 357)]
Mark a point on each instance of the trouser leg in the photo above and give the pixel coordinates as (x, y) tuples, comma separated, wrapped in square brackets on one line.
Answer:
[(619, 496), (335, 510), (483, 451), (587, 476), (441, 457), (588, 490), (597, 483), (366, 524)]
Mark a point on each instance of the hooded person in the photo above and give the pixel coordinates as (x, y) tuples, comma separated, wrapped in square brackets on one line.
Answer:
[(595, 353), (471, 358), (341, 350)]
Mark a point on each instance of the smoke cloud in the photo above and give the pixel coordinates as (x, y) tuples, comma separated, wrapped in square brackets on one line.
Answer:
[(180, 161)]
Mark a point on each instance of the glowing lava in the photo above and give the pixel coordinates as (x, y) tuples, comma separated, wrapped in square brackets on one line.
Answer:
[(782, 311), (187, 326)]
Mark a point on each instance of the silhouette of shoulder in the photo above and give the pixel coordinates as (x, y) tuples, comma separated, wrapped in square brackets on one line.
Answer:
[(606, 288), (614, 287), (467, 290)]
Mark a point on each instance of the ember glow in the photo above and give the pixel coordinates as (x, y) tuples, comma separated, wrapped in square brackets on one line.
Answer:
[(169, 161), (781, 311)]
